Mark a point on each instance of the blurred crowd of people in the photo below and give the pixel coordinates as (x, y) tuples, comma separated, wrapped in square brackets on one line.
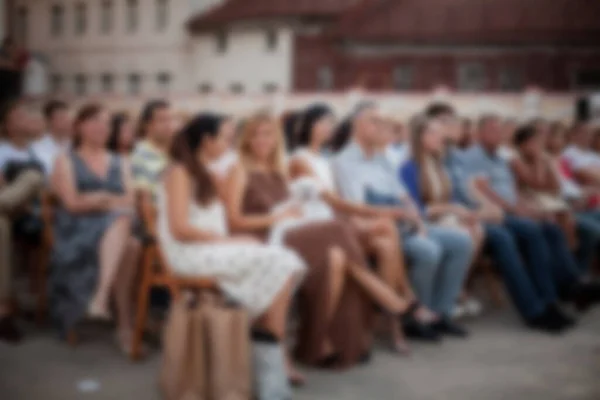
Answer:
[(350, 219)]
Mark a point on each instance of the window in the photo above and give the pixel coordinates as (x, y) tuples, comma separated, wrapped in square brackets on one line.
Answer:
[(237, 88), (403, 77), (222, 42), (80, 18), (164, 81), (80, 85), (205, 88), (132, 16), (56, 83), (510, 80), (57, 20), (272, 40), (135, 84), (472, 77), (22, 24), (270, 87), (325, 78), (106, 16), (108, 83), (162, 15)]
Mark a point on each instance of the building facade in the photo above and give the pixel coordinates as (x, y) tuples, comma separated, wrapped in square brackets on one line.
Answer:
[(148, 47)]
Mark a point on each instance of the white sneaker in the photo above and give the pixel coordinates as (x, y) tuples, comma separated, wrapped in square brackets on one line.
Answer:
[(459, 311), (473, 307)]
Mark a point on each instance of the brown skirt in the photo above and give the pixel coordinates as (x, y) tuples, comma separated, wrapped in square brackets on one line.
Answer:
[(350, 329)]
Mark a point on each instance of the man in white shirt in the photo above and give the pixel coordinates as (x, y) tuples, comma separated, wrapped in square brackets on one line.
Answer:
[(58, 137)]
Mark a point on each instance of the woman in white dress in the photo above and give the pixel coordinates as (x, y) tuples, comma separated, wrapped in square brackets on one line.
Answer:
[(193, 233)]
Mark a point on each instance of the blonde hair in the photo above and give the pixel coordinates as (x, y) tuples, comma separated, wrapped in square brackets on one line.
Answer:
[(251, 126)]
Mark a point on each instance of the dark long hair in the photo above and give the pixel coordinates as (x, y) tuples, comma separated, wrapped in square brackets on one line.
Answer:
[(341, 136), (309, 118), (116, 124), (185, 147), (290, 123), (85, 113)]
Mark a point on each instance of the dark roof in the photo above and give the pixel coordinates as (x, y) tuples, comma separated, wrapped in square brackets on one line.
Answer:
[(438, 22), (242, 10)]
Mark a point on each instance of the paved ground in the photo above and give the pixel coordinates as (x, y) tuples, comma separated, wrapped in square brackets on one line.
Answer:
[(500, 361)]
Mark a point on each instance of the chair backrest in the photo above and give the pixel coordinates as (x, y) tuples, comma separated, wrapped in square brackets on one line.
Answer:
[(147, 211), (49, 202)]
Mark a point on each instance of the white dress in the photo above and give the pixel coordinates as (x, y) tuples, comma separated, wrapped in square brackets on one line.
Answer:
[(250, 274), (320, 166)]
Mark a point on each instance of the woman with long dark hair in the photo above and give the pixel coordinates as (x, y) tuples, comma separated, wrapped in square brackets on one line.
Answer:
[(194, 237), (94, 252)]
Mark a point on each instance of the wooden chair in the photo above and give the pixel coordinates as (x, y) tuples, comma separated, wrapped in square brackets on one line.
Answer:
[(156, 273)]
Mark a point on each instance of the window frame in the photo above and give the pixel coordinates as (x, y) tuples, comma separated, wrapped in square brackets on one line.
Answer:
[(132, 16), (221, 42), (80, 18), (81, 85), (402, 83), (107, 83), (107, 14), (131, 83), (57, 20), (161, 19), (462, 79), (325, 78)]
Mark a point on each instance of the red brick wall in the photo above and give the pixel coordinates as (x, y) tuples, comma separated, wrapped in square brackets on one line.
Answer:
[(548, 71)]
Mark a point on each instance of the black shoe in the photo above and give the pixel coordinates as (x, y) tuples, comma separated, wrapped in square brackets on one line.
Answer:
[(9, 332), (416, 330), (547, 322), (446, 326), (585, 295), (561, 316)]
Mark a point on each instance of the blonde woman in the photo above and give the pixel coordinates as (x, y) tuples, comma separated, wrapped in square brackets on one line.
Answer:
[(337, 295)]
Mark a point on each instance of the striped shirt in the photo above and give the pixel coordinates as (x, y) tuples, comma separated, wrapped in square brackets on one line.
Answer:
[(148, 163)]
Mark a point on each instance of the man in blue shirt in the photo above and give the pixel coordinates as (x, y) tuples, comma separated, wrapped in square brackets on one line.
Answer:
[(499, 241), (439, 257), (551, 265)]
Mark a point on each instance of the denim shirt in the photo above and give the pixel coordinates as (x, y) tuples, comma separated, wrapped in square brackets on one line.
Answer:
[(477, 162), (355, 173)]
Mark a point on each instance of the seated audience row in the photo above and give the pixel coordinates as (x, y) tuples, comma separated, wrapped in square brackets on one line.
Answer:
[(352, 222)]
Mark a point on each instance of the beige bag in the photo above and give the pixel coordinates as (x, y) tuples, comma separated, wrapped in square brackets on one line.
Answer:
[(183, 375), (227, 331), (206, 353)]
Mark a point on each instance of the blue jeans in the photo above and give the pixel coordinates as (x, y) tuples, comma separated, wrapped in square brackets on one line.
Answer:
[(499, 243), (550, 263), (439, 264), (588, 232)]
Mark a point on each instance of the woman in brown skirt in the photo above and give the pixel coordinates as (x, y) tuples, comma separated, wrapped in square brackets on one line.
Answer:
[(336, 299)]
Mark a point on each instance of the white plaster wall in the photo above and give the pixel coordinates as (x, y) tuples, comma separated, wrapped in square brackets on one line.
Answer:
[(147, 51), (247, 61)]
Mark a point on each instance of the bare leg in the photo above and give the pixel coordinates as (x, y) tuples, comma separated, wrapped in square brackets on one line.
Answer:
[(111, 250), (382, 294), (385, 249), (123, 291)]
